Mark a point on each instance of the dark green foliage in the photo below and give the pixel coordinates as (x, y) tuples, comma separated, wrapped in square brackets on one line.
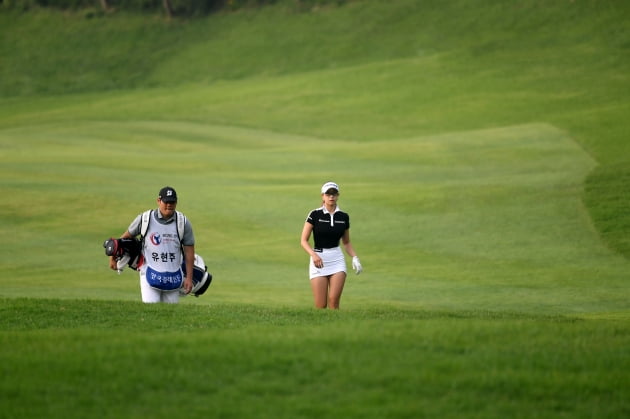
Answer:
[(184, 7), (178, 7)]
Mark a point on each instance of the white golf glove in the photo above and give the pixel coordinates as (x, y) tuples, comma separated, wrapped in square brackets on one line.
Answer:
[(356, 265)]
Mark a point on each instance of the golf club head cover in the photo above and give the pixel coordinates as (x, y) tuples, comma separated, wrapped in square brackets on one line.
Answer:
[(111, 247)]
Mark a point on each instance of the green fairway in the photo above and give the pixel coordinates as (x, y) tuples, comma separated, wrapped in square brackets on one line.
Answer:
[(483, 159), (486, 219)]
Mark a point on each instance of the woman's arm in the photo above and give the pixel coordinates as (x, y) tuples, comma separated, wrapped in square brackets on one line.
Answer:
[(306, 235), (345, 239), (356, 263)]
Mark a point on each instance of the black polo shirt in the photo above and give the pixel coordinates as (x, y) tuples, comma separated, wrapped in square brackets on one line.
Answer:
[(326, 235)]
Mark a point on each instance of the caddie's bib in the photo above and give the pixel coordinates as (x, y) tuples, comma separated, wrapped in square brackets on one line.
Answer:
[(163, 256), (165, 281)]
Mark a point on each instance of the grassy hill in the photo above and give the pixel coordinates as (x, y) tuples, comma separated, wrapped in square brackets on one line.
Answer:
[(482, 152), (428, 67)]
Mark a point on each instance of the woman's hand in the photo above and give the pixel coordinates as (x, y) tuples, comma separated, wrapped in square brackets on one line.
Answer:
[(317, 261)]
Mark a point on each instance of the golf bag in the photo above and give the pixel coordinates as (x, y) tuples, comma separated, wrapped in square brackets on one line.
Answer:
[(125, 251), (201, 277)]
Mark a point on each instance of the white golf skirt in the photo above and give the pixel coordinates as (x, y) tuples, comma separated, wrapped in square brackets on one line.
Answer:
[(334, 262)]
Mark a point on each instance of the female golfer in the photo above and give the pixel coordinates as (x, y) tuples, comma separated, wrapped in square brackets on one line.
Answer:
[(327, 267)]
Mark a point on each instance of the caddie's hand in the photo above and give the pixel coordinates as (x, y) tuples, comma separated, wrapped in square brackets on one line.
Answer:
[(188, 285), (113, 264), (318, 262), (356, 265)]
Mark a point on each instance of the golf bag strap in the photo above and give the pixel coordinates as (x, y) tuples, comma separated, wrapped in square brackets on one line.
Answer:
[(144, 227), (179, 218)]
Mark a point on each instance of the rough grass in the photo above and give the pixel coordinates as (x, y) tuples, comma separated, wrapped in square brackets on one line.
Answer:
[(112, 359)]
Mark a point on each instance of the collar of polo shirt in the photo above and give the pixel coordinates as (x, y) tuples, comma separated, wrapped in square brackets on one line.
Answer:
[(328, 212)]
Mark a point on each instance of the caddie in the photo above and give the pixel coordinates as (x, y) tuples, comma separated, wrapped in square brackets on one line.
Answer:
[(167, 242)]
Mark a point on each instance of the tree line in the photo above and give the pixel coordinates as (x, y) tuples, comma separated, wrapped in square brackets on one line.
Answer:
[(169, 7)]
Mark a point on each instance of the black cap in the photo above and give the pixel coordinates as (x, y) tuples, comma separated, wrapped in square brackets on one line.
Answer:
[(167, 194)]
